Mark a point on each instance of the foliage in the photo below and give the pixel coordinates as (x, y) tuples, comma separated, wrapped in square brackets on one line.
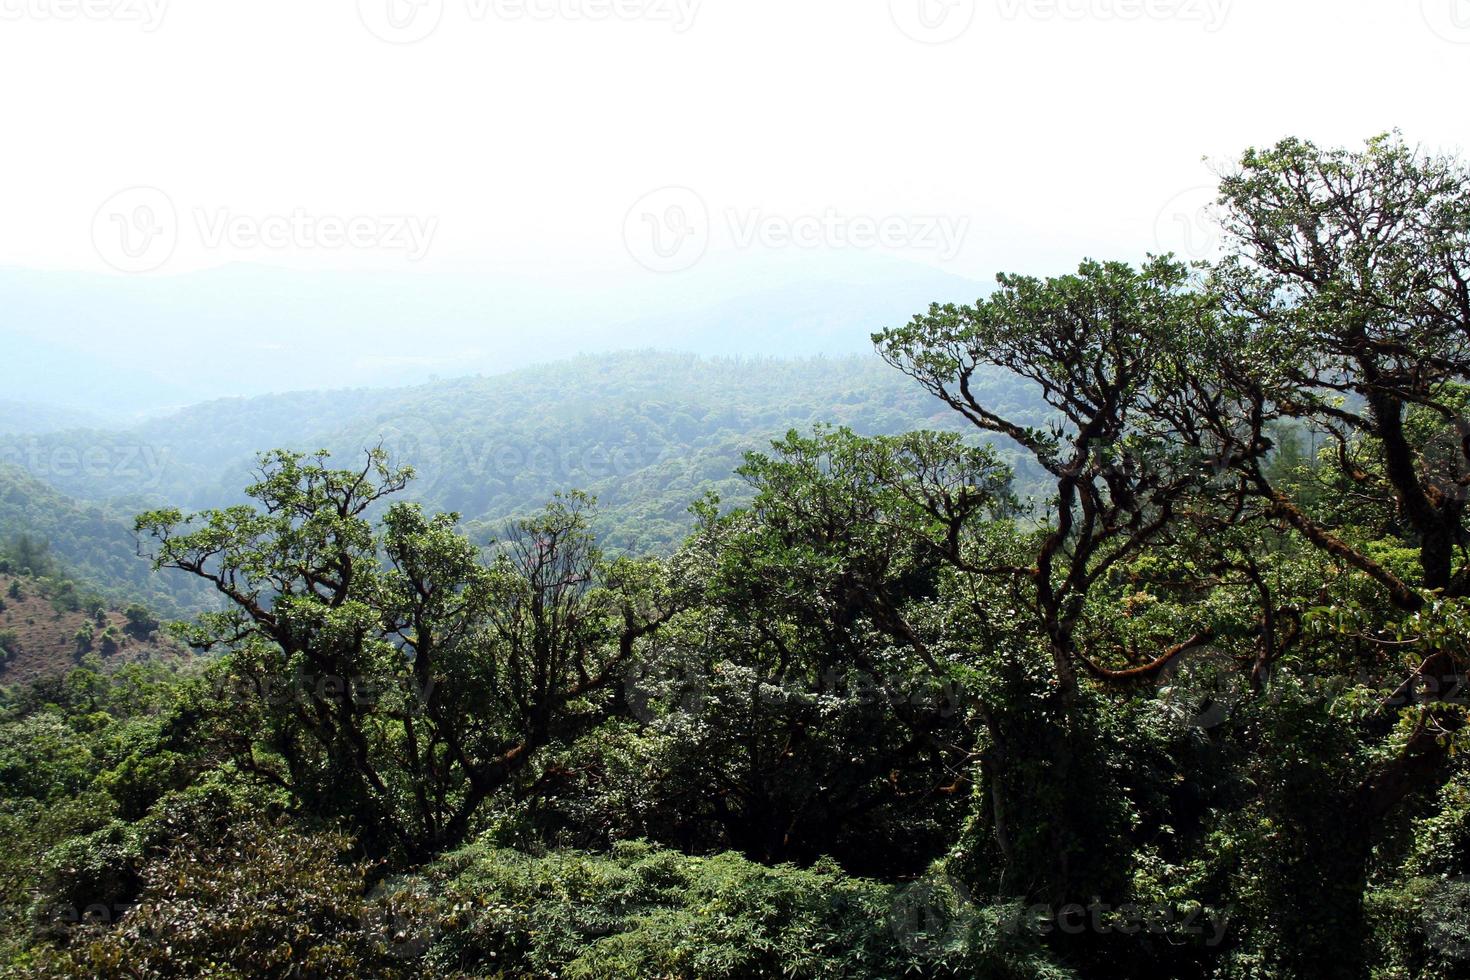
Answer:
[(642, 912), (262, 901), (52, 536)]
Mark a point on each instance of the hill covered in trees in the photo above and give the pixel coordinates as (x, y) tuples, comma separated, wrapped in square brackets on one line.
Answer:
[(647, 433), (48, 533), (49, 625)]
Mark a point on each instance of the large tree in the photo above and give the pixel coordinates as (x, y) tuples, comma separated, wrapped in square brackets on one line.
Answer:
[(1106, 349), (1351, 272), (390, 672)]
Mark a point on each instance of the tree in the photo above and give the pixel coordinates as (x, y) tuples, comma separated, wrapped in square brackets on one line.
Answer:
[(1106, 349), (393, 674), (32, 556), (1345, 299), (809, 708), (1353, 270), (141, 622)]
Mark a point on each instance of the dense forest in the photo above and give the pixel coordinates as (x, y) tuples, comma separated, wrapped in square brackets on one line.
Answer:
[(89, 544), (647, 433), (1145, 657)]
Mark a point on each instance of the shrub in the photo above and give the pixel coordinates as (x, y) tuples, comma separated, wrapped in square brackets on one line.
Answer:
[(141, 622), (645, 912), (262, 900)]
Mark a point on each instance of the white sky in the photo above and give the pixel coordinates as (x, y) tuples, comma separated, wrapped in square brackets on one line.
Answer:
[(1049, 129)]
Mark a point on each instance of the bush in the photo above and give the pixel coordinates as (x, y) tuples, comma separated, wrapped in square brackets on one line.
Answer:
[(645, 912), (141, 622), (260, 901), (89, 879)]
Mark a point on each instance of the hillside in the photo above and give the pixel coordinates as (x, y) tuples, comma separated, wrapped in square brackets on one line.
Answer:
[(91, 542), (39, 631), (20, 418), (647, 432)]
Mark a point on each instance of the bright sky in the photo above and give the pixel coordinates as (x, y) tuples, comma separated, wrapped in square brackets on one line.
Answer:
[(586, 137)]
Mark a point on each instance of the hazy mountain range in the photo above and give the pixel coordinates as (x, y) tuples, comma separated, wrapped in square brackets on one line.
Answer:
[(121, 347)]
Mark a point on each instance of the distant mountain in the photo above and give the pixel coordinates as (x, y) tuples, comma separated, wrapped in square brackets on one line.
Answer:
[(119, 346), (647, 432), (23, 418)]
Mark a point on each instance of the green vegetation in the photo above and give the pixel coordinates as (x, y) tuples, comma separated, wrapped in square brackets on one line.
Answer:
[(1197, 711), (45, 534), (644, 432)]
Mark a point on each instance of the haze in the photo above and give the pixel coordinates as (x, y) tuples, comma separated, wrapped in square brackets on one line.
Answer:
[(393, 189)]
